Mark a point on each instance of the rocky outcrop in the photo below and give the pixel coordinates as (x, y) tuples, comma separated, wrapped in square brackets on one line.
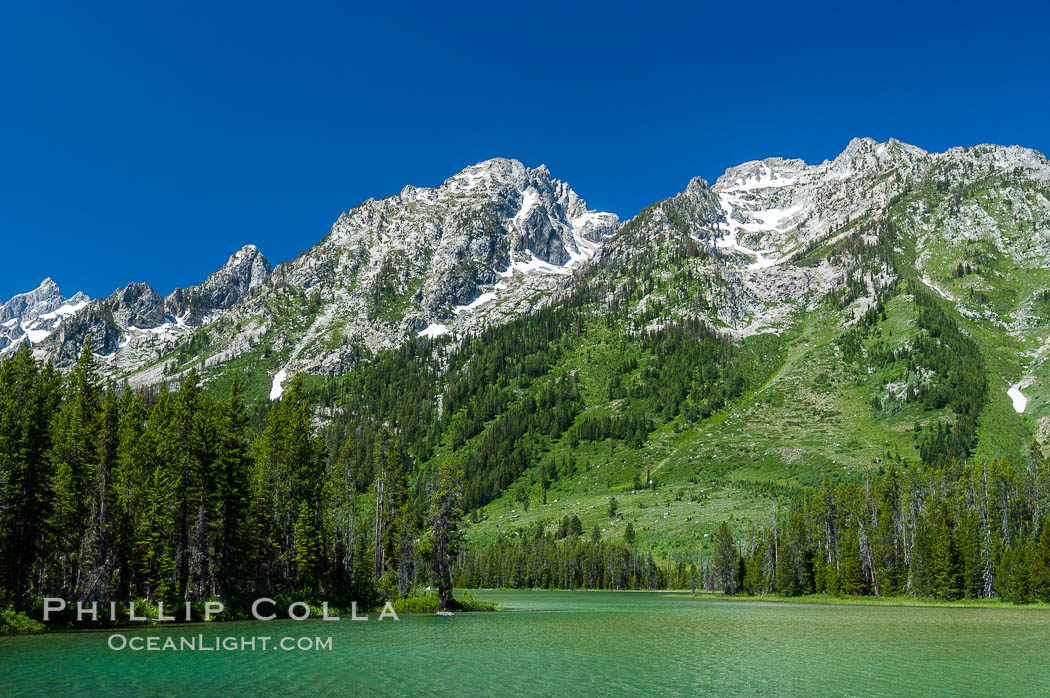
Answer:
[(134, 326), (136, 305), (245, 270), (95, 323), (34, 315)]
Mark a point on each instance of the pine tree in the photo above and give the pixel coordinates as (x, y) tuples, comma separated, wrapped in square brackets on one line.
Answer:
[(391, 493), (190, 446), (343, 511), (99, 528), (157, 538), (726, 559), (289, 472), (1041, 563), (234, 490), (443, 536), (794, 572), (307, 551), (133, 462), (1014, 577), (850, 576), (362, 586), (944, 560)]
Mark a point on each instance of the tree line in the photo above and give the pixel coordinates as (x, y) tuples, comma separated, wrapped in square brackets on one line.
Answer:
[(542, 561), (977, 530), (110, 494)]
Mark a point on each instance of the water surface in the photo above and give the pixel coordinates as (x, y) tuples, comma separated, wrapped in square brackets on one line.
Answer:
[(572, 643)]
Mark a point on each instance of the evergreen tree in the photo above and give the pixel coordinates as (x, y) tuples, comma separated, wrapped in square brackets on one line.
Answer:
[(443, 536), (234, 491), (1041, 563), (794, 571), (307, 551), (944, 560), (726, 559)]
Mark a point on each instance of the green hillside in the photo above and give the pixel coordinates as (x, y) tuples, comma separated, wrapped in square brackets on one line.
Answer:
[(557, 413)]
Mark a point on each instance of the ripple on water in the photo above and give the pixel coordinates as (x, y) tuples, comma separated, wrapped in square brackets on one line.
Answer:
[(559, 643)]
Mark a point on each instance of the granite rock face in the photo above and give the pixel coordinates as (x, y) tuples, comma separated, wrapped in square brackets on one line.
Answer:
[(32, 316), (245, 270), (135, 325)]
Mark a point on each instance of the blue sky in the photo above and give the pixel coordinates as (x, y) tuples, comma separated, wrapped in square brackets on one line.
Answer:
[(148, 141)]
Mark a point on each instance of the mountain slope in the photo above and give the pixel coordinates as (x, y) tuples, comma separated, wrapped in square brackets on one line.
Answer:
[(859, 357), (789, 323), (889, 306)]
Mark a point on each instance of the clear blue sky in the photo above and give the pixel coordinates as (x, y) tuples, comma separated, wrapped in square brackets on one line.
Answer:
[(148, 141)]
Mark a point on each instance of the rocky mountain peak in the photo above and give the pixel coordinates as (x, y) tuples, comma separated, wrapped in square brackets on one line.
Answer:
[(33, 315), (246, 269), (492, 174), (697, 184), (483, 243), (44, 298), (136, 305), (761, 174), (866, 155)]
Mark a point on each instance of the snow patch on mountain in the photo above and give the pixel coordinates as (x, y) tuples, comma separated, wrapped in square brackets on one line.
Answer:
[(434, 330), (476, 303), (533, 265), (528, 202), (35, 336), (941, 292), (277, 387), (1018, 398), (64, 310)]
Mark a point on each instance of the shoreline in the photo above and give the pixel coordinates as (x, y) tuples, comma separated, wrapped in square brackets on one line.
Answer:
[(884, 601), (812, 599), (808, 600), (19, 623)]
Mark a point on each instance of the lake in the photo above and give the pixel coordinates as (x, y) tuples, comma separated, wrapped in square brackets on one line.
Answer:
[(568, 643)]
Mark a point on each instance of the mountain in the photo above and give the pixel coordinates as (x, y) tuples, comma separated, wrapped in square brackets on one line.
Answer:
[(134, 326), (763, 221), (245, 270), (34, 315), (482, 246), (889, 305), (490, 243)]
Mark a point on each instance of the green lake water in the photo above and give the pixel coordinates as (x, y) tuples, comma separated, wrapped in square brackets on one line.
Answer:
[(574, 643)]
